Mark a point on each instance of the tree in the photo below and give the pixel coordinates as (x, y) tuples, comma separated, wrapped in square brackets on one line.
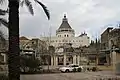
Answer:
[(29, 62), (14, 50), (3, 22)]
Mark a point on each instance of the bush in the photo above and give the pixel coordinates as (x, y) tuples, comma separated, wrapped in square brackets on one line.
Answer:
[(94, 69), (88, 69), (79, 69), (29, 64), (3, 77), (74, 70)]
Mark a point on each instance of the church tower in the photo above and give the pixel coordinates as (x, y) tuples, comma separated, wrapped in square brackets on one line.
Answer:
[(65, 29)]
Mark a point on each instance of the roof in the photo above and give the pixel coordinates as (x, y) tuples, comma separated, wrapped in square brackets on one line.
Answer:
[(65, 23), (23, 38), (83, 34)]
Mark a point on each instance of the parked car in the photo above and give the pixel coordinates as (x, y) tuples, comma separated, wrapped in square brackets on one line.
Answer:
[(71, 68)]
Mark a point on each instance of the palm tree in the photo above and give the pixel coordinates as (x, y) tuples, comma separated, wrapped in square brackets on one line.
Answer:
[(14, 51), (2, 38), (3, 22)]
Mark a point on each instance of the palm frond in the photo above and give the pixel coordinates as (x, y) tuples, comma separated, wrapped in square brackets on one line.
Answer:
[(4, 22), (3, 12), (29, 5), (1, 1), (2, 38), (44, 8), (22, 3)]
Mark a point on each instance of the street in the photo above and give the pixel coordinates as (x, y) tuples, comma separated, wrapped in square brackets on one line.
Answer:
[(71, 76)]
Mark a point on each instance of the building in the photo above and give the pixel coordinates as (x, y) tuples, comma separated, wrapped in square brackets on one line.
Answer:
[(65, 34), (110, 38), (65, 43), (105, 36), (3, 54), (115, 38), (33, 48)]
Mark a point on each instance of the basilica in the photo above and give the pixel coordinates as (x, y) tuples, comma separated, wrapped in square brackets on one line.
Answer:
[(64, 43), (65, 35)]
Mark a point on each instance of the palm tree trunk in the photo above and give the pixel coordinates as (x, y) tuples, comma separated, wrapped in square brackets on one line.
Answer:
[(14, 51)]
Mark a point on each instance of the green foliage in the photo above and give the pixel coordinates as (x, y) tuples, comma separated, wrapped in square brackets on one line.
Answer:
[(79, 69), (74, 70), (30, 7), (3, 12), (29, 62), (3, 77), (94, 69), (3, 22)]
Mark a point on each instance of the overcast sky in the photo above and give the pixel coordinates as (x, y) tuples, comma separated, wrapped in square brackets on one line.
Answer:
[(91, 16)]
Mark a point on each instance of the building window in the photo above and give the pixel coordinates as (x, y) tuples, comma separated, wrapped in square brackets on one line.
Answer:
[(59, 41), (73, 40), (64, 35), (56, 40)]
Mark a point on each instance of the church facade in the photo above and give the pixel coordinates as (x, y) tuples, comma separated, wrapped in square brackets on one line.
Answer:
[(64, 43), (65, 34)]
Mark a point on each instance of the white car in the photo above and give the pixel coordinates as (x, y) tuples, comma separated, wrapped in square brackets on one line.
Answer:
[(71, 68)]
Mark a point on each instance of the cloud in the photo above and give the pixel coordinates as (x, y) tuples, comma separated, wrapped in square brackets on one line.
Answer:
[(91, 16)]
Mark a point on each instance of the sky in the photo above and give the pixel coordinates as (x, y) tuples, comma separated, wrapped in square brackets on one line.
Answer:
[(91, 16)]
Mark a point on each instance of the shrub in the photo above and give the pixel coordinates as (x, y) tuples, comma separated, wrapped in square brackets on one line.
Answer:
[(79, 69), (94, 69), (74, 70), (3, 77)]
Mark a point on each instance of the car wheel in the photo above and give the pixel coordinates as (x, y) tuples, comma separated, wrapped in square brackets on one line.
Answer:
[(67, 70)]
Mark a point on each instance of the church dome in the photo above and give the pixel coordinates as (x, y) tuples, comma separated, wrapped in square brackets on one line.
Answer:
[(65, 27), (65, 24)]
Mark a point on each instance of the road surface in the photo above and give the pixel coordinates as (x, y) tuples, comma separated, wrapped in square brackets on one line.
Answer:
[(70, 76)]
